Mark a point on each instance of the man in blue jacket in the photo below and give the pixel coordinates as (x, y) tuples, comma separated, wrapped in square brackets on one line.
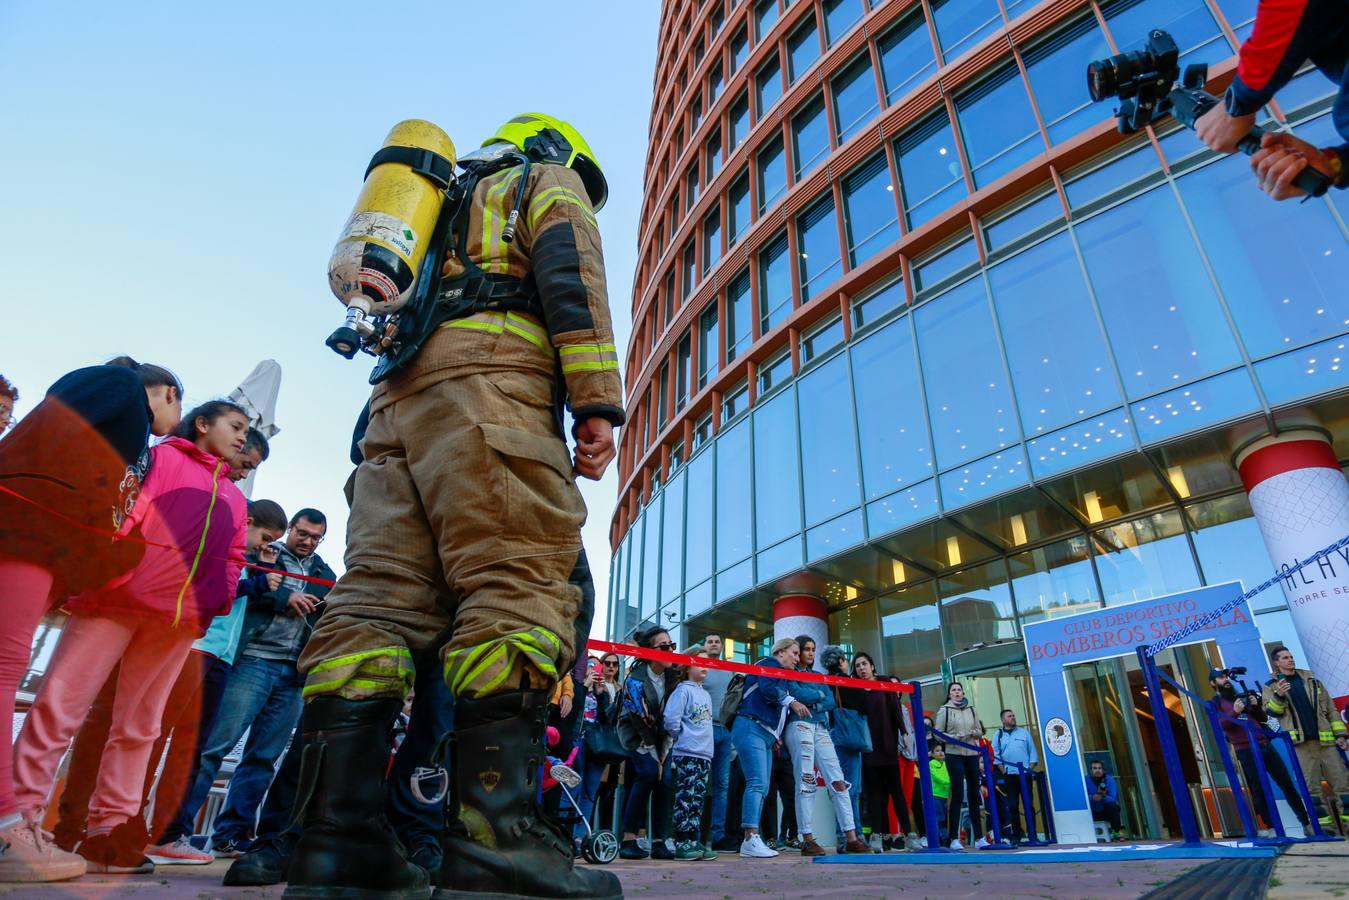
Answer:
[(1013, 744), (1287, 33), (1103, 793)]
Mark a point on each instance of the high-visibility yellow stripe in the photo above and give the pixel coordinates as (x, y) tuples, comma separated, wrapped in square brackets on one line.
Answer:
[(398, 653), (499, 654), (545, 201), (493, 221), (587, 348), (568, 368)]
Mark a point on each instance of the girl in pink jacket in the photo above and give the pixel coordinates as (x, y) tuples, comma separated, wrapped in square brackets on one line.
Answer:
[(192, 519)]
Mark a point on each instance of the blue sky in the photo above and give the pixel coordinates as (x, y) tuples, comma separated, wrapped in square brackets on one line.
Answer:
[(175, 176)]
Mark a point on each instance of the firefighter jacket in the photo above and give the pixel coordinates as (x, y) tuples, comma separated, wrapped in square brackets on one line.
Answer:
[(556, 252), (1327, 726)]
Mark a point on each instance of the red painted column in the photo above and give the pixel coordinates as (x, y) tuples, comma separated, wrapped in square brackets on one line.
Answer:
[(1301, 501), (795, 615)]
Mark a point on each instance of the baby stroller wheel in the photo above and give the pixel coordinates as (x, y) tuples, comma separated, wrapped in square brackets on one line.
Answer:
[(601, 847)]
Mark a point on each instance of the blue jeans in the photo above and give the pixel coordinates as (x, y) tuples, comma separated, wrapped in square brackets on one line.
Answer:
[(851, 763), (754, 747), (262, 697), (650, 782), (723, 753)]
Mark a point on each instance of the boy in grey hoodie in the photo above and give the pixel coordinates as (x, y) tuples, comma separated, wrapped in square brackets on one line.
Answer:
[(688, 723)]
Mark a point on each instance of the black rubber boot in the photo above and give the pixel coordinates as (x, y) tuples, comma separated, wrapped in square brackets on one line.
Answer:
[(348, 850), (498, 844), (264, 863)]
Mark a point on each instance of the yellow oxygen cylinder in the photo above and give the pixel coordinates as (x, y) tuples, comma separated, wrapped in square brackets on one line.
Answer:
[(375, 264)]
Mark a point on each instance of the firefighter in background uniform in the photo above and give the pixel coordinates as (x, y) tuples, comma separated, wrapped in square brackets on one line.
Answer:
[(466, 491)]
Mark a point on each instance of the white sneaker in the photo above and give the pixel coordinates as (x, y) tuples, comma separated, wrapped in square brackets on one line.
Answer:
[(28, 855), (753, 847), (179, 853), (911, 842), (922, 842), (644, 843), (876, 844), (956, 845), (982, 843), (1266, 833)]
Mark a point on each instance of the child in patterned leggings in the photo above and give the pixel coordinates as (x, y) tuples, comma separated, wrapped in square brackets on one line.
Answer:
[(688, 723)]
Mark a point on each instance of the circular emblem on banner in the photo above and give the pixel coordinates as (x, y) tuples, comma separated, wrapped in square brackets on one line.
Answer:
[(1058, 737)]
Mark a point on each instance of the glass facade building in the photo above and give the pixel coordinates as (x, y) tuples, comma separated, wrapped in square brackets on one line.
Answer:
[(967, 358)]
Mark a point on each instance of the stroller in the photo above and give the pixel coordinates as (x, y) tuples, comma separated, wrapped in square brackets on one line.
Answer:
[(599, 847)]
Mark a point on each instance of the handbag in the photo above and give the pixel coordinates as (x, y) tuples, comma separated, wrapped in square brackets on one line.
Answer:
[(602, 744), (851, 730)]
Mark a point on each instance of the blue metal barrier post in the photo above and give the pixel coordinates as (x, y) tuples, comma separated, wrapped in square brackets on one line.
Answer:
[(1184, 810), (1046, 810), (1262, 776), (994, 814), (1032, 832), (934, 841), (1316, 833)]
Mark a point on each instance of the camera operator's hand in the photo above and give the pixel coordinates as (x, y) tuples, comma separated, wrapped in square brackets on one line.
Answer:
[(1238, 706), (594, 447), (1279, 160), (1222, 131)]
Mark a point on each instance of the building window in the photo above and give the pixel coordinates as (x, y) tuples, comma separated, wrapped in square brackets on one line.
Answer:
[(718, 17), (1052, 65), (695, 112), (738, 209), (714, 155), (768, 84), (874, 306), (998, 126), (735, 403), (702, 433), (709, 350), (765, 15), (803, 48), (698, 52), (739, 122), (854, 98), (817, 242), (683, 371), (691, 186), (739, 327), (678, 140), (970, 405), (715, 83), (711, 239), (775, 373), (906, 56), (739, 50), (840, 16), (670, 303), (890, 420), (869, 210), (676, 456), (961, 24), (1189, 22), (775, 284), (690, 271), (947, 262), (929, 169), (1055, 349), (822, 339), (772, 174), (810, 137), (662, 403)]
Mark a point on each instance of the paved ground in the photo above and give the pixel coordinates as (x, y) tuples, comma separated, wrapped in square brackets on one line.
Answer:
[(1309, 871), (722, 879)]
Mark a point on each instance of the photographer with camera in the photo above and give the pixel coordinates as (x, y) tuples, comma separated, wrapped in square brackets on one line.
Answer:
[(1246, 703), (1287, 33)]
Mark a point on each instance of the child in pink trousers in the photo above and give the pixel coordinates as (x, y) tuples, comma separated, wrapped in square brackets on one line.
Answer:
[(193, 519)]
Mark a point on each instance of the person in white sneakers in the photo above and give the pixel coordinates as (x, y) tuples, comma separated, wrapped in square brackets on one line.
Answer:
[(757, 728), (958, 719)]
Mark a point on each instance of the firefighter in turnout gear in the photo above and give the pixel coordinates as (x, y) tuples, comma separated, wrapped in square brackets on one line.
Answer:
[(465, 522)]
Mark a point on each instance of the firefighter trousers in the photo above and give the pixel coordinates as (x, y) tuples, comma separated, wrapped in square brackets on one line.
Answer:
[(465, 518)]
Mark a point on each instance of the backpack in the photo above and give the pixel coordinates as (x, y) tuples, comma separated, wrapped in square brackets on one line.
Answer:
[(730, 704)]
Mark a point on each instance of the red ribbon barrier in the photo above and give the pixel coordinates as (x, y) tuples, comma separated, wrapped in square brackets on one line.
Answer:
[(679, 659)]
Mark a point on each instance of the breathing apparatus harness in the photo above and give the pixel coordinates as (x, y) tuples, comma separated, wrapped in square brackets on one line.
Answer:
[(439, 300)]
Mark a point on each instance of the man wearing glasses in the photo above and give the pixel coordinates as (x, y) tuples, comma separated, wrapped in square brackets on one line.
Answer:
[(264, 689)]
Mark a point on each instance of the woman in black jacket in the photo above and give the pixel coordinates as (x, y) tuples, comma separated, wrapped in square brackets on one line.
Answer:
[(600, 705), (642, 732), (880, 778)]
